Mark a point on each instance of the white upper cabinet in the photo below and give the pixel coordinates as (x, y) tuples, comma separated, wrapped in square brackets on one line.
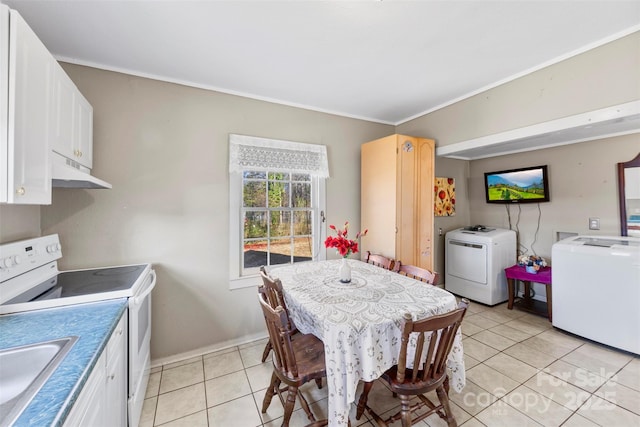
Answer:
[(41, 112), (73, 121), (25, 146)]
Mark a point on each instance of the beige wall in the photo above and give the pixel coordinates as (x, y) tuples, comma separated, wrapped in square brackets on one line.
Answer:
[(163, 147), (596, 79), (583, 185), (582, 175), (18, 222)]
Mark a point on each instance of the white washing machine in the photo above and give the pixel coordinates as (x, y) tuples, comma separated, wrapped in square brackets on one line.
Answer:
[(596, 289), (475, 259)]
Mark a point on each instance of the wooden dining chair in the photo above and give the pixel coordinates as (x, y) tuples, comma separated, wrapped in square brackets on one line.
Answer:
[(379, 260), (418, 273), (295, 361), (439, 333), (275, 295)]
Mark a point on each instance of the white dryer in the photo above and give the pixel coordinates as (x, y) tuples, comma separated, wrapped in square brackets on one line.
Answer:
[(475, 259)]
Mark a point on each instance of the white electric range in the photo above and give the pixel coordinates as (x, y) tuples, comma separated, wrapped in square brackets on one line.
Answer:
[(30, 280)]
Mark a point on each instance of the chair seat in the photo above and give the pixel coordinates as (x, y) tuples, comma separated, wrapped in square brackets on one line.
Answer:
[(407, 386), (309, 352)]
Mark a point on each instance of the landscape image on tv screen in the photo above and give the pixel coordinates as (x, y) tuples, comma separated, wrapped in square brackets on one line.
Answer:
[(517, 186)]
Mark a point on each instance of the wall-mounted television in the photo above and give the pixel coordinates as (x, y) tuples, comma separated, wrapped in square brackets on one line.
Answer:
[(523, 185)]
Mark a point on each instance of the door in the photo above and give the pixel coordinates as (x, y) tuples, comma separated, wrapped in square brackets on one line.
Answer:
[(72, 120), (425, 172), (414, 243), (378, 196), (29, 116), (467, 260)]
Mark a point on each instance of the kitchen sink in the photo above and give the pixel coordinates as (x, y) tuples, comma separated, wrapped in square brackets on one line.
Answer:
[(23, 371)]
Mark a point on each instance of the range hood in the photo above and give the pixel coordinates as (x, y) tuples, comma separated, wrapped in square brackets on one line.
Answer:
[(67, 173), (617, 120)]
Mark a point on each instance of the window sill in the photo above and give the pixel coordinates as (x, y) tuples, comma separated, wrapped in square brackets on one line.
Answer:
[(244, 282)]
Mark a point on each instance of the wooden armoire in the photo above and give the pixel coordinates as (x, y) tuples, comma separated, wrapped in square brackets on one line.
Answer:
[(397, 198)]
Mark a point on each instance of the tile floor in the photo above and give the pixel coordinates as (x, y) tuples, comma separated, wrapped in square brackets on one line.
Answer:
[(520, 372)]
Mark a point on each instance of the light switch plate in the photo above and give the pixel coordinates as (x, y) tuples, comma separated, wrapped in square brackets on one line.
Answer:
[(594, 223)]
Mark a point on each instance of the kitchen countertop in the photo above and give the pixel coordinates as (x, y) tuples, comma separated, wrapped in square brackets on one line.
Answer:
[(92, 323)]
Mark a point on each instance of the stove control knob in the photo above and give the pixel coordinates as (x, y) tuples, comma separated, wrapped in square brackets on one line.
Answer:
[(7, 262)]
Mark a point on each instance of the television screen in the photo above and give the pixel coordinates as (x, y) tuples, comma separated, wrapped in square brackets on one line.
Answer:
[(524, 185)]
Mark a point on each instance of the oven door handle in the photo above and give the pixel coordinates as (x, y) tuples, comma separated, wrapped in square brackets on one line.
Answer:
[(139, 298)]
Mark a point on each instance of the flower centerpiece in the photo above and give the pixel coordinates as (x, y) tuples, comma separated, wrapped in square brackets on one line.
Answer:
[(344, 247)]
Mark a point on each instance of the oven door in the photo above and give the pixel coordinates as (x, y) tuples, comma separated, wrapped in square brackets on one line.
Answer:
[(139, 347)]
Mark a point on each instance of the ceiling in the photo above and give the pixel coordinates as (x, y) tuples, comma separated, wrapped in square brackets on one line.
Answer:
[(384, 61)]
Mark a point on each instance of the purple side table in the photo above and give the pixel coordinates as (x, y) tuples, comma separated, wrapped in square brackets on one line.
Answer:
[(543, 276)]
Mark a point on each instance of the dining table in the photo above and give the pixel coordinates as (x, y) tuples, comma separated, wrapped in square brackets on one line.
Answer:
[(360, 323)]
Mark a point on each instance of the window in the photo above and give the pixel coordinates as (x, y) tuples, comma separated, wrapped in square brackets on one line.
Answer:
[(277, 202)]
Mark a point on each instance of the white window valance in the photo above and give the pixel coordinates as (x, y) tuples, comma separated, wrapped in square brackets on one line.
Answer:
[(253, 153)]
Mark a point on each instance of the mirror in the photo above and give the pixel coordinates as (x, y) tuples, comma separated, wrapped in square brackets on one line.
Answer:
[(629, 197)]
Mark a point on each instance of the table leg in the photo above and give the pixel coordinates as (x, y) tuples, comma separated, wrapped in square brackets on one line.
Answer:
[(511, 286), (527, 290), (549, 309)]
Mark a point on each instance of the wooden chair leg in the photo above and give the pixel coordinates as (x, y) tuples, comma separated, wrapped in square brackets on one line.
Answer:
[(362, 403), (288, 407), (405, 411), (271, 390), (305, 407), (444, 399), (265, 352)]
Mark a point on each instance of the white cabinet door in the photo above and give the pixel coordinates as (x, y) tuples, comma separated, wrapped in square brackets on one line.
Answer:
[(103, 399), (73, 121), (116, 414), (64, 127), (30, 75), (84, 120), (4, 99), (90, 407)]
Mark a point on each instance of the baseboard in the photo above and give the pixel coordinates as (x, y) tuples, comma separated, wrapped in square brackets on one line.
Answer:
[(208, 349)]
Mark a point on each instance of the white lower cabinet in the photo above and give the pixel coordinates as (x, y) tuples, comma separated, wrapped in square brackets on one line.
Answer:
[(89, 409), (117, 376), (103, 399)]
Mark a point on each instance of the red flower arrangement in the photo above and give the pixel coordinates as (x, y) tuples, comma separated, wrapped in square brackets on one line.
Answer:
[(342, 243)]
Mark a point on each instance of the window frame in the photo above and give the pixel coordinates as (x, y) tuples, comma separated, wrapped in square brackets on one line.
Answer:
[(239, 279)]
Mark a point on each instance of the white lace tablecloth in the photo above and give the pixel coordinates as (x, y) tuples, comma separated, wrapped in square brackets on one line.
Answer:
[(359, 323)]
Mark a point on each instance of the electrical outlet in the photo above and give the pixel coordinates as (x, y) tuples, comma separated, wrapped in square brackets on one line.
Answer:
[(594, 223)]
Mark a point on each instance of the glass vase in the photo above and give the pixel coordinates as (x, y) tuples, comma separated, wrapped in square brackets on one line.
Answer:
[(345, 271)]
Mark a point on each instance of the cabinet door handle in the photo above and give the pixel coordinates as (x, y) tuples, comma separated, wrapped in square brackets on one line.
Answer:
[(21, 191)]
